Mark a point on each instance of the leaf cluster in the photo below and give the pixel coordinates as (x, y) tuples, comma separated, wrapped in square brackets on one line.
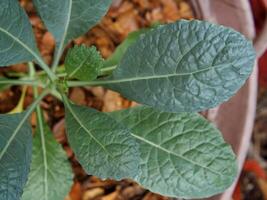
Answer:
[(174, 70)]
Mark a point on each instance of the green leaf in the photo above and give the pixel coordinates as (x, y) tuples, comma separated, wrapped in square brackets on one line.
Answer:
[(182, 155), (50, 177), (116, 57), (17, 41), (184, 66), (102, 146), (69, 19), (83, 63), (15, 154)]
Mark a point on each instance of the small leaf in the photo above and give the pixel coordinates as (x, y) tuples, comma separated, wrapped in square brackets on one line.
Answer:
[(102, 146), (69, 19), (17, 41), (15, 154), (83, 63), (184, 66), (50, 177), (182, 155)]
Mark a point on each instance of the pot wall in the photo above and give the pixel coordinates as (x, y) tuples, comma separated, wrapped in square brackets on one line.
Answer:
[(235, 118)]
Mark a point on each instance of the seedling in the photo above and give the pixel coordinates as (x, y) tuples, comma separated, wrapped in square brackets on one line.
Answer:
[(174, 70)]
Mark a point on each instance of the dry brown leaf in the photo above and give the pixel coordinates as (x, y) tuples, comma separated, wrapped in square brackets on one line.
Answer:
[(76, 192), (111, 196), (93, 193)]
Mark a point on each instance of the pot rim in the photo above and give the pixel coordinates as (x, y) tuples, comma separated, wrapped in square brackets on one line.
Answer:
[(203, 9)]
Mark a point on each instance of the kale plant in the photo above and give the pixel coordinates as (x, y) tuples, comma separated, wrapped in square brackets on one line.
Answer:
[(174, 70)]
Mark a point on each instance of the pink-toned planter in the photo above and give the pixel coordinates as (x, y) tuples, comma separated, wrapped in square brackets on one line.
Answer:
[(235, 117)]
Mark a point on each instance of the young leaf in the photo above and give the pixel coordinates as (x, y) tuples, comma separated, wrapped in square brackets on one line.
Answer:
[(50, 177), (184, 66), (17, 40), (69, 19), (182, 155), (15, 154), (83, 63), (102, 146)]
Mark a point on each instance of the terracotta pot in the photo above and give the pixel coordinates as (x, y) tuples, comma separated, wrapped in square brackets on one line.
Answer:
[(235, 117)]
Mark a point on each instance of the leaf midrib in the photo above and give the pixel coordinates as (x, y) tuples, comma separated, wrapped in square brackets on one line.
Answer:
[(41, 126), (172, 153), (62, 42), (85, 128), (22, 44), (80, 66), (163, 76)]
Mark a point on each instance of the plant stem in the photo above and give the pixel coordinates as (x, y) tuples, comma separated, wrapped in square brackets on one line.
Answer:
[(32, 71), (16, 74), (107, 70), (82, 83), (103, 71), (19, 82), (40, 126), (49, 72), (62, 75), (98, 82), (37, 101)]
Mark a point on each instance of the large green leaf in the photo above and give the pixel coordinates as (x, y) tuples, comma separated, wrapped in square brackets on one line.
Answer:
[(50, 177), (184, 66), (83, 63), (15, 154), (102, 146), (182, 155), (17, 42), (69, 19)]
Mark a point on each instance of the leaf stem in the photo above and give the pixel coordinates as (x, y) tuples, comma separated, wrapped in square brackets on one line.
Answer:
[(52, 76), (107, 70), (37, 101), (85, 83), (41, 129), (37, 97), (19, 82), (60, 48)]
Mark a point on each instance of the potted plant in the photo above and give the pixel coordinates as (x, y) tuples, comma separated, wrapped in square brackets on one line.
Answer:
[(176, 70)]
